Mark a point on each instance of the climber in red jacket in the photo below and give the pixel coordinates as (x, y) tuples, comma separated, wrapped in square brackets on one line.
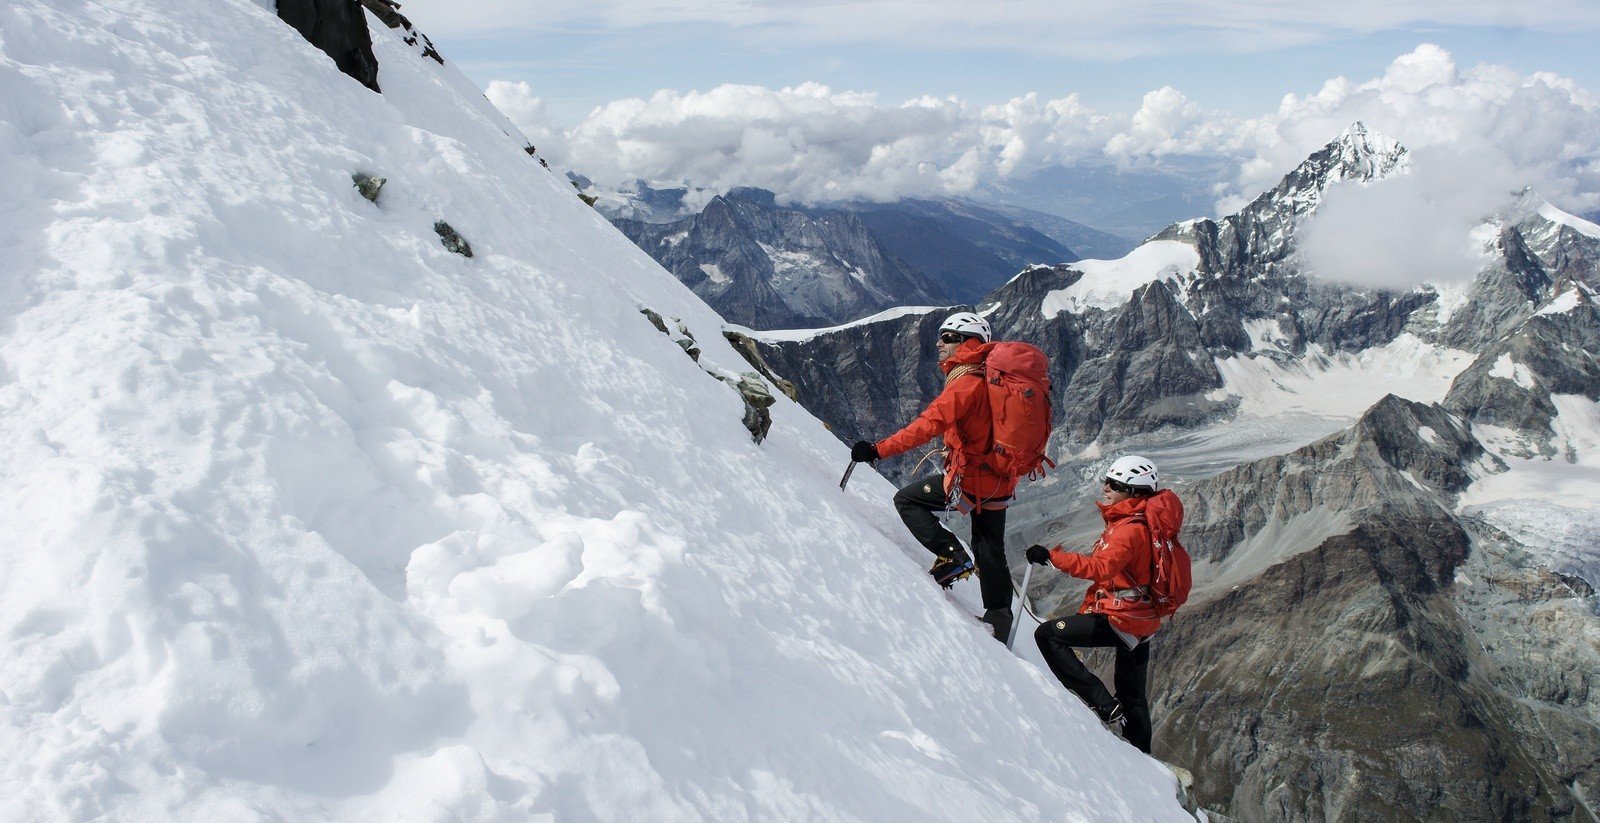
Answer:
[(961, 414)]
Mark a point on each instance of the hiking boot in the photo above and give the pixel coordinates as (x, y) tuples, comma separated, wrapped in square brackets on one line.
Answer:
[(1000, 621), (947, 570)]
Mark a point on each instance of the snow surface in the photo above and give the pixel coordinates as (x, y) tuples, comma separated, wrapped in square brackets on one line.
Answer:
[(312, 519), (801, 335), (1107, 284), (1579, 224), (1564, 302), (1507, 369)]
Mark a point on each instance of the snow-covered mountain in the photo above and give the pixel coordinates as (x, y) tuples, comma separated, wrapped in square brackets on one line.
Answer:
[(391, 503), (1413, 475), (770, 267)]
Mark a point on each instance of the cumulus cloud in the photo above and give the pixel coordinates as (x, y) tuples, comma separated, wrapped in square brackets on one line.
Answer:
[(1476, 136), (524, 109), (814, 144)]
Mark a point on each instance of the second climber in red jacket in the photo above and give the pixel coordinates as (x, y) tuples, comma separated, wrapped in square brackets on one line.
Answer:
[(1119, 566), (961, 414)]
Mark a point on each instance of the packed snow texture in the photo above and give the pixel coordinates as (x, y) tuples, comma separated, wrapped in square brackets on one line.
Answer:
[(310, 518), (1107, 284)]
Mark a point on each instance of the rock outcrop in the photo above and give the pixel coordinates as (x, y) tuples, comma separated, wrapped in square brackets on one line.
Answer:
[(339, 29)]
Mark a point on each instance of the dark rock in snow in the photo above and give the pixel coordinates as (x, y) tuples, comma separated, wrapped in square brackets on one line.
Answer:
[(746, 347), (757, 399), (369, 185), (339, 29), (452, 241)]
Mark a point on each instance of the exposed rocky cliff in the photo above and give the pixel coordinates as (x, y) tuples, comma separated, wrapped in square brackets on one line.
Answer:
[(1344, 658), (1514, 383)]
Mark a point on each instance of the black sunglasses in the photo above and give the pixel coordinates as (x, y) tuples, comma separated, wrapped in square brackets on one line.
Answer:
[(951, 337), (1118, 487)]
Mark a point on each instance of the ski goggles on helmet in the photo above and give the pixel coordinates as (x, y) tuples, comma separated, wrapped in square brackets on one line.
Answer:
[(951, 337)]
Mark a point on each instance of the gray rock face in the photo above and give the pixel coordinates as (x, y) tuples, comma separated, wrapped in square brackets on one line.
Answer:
[(451, 240), (767, 267), (1556, 351), (339, 29)]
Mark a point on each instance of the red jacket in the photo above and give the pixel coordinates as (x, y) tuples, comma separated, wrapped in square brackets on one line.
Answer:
[(1120, 561), (961, 414)]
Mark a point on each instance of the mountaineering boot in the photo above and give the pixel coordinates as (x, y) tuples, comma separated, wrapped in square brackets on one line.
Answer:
[(1112, 716), (947, 570), (1000, 621)]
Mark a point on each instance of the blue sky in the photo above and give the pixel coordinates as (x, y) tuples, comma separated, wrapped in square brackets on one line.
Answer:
[(576, 57)]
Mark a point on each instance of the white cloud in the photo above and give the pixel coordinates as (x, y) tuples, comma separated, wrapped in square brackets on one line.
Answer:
[(1410, 229), (1476, 136), (812, 143)]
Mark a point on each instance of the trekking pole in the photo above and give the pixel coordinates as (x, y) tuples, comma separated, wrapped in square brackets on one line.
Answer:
[(1022, 600)]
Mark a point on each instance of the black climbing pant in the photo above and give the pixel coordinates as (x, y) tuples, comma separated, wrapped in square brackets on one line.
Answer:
[(918, 504), (1058, 637)]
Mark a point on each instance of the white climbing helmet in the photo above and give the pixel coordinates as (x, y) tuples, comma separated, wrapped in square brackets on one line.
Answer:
[(967, 323), (1134, 471)]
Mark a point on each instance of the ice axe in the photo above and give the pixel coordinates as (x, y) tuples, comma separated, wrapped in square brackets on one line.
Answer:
[(847, 472)]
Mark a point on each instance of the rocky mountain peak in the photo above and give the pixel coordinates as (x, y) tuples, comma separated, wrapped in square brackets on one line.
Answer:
[(1363, 154), (1357, 154)]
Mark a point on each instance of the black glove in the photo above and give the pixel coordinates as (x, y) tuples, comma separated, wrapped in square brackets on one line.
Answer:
[(863, 452), (1038, 555)]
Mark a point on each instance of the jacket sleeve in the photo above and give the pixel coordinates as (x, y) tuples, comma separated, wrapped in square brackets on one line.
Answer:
[(1120, 551), (941, 414)]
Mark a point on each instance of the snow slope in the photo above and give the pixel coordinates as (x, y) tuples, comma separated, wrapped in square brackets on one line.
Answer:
[(312, 519)]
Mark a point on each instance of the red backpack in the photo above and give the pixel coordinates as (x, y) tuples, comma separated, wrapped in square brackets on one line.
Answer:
[(1170, 579), (1019, 402)]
